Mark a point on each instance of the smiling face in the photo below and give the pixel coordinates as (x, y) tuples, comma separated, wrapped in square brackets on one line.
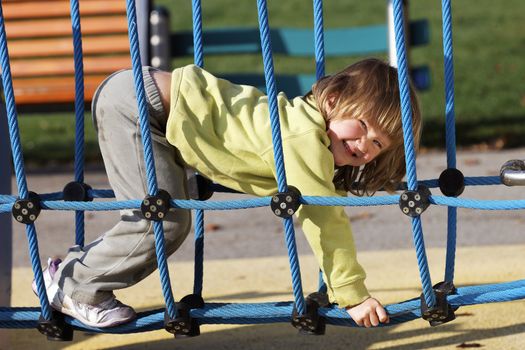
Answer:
[(356, 142)]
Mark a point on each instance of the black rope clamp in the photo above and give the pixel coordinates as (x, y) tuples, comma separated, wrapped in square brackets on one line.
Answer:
[(442, 312), (77, 192), (26, 211), (451, 182), (156, 207), (311, 323), (204, 189), (414, 203), (56, 328), (285, 204), (184, 325)]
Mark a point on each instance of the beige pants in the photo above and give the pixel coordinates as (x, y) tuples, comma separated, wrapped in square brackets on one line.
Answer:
[(125, 254)]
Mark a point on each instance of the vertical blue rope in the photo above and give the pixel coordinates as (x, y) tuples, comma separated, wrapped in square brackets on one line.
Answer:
[(79, 113), (450, 121), (319, 39), (198, 52), (319, 73), (278, 151), (272, 95), (148, 155), (18, 161), (198, 57), (406, 116), (199, 252)]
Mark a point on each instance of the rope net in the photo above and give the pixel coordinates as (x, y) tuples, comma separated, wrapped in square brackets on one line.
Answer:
[(251, 313)]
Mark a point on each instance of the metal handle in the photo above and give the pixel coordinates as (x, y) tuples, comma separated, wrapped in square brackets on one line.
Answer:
[(512, 173)]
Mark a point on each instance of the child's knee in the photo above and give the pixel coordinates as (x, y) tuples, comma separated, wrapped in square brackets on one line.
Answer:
[(111, 90)]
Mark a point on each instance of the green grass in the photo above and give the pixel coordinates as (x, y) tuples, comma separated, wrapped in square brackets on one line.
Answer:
[(489, 47), (50, 139)]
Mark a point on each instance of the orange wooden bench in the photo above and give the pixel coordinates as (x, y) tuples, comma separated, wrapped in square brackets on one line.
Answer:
[(40, 47)]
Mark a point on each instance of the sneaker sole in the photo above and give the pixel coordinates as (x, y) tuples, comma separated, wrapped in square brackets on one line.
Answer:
[(106, 324)]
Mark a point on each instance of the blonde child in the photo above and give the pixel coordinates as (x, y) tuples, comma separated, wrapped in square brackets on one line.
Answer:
[(343, 136)]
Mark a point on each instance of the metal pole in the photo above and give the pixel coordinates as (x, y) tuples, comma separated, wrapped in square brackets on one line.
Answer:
[(392, 55), (6, 230), (160, 38), (143, 8)]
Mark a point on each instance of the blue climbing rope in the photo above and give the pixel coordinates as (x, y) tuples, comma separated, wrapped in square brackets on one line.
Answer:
[(216, 313), (278, 152), (198, 50), (18, 160), (319, 73), (148, 156), (319, 39), (450, 131), (79, 113), (198, 274), (406, 115), (198, 57)]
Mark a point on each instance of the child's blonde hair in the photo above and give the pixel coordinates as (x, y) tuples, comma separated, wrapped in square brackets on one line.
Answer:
[(369, 89)]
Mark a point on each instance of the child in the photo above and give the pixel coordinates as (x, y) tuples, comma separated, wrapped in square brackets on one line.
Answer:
[(345, 135)]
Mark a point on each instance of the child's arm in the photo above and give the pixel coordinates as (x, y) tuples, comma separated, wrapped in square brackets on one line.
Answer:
[(327, 229), (369, 313)]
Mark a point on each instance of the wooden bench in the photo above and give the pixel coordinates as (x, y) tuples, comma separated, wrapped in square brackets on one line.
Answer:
[(40, 45)]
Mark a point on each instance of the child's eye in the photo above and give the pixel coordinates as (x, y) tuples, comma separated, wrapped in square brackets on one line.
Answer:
[(363, 124), (378, 144)]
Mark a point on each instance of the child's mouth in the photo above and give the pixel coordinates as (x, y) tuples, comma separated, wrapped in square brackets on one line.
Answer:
[(349, 150)]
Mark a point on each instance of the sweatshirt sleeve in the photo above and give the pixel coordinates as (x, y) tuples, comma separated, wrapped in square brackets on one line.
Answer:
[(309, 167)]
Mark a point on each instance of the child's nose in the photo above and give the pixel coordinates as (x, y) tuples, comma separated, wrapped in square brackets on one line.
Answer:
[(364, 144)]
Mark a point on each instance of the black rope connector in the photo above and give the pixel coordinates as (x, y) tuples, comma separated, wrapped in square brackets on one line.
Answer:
[(26, 211), (204, 187), (184, 325), (414, 203), (311, 323), (156, 207), (443, 312), (77, 192), (285, 204), (451, 182), (56, 328)]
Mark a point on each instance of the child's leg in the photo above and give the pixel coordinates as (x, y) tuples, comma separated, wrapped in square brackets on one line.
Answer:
[(126, 253)]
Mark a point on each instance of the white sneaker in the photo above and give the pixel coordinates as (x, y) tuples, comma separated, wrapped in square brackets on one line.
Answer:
[(108, 313)]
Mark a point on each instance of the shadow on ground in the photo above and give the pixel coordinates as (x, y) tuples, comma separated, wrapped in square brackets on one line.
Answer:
[(280, 336), (283, 336)]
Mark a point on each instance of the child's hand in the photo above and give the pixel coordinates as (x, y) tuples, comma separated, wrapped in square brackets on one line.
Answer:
[(369, 313)]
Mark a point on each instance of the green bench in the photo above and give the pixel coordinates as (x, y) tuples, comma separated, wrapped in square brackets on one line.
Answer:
[(294, 42)]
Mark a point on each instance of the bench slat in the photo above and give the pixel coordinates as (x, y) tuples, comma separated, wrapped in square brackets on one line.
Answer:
[(58, 90), (45, 9), (91, 45), (65, 66), (62, 27)]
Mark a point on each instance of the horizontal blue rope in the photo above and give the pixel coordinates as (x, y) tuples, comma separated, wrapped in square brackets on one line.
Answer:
[(512, 204), (350, 201), (262, 313), (107, 193)]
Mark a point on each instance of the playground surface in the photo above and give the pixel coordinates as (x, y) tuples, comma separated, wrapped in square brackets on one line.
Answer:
[(245, 261)]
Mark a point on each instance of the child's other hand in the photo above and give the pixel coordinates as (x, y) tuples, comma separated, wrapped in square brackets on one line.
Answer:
[(369, 313)]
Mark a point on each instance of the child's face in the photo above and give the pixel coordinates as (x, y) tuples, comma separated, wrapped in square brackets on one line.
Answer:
[(356, 142)]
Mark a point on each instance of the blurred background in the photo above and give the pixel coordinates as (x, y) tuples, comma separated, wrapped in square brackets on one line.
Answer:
[(489, 47)]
